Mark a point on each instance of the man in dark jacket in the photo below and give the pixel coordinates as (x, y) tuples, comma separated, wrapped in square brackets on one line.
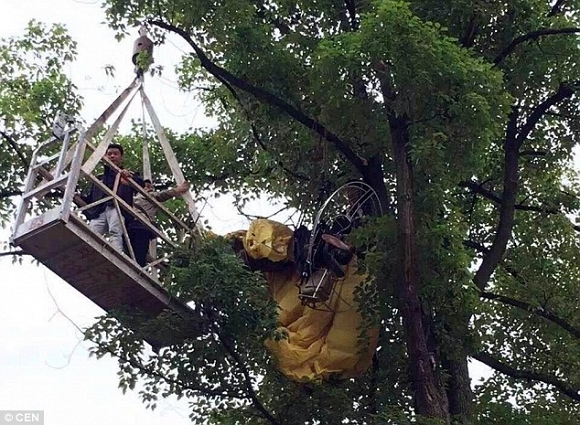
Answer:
[(139, 234), (103, 218)]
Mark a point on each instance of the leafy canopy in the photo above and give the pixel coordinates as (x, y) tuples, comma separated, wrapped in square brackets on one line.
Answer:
[(463, 115)]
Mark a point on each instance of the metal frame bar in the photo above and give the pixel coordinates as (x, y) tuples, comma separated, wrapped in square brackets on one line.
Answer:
[(171, 159), (71, 167), (101, 149), (73, 176), (146, 194), (40, 191), (127, 207), (47, 160), (61, 158), (29, 182), (98, 124)]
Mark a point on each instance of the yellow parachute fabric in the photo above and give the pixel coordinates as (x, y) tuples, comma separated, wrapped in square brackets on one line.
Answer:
[(268, 239), (320, 342)]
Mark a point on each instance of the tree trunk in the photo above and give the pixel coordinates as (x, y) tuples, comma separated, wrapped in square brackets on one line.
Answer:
[(430, 399), (454, 363), (459, 391), (375, 178)]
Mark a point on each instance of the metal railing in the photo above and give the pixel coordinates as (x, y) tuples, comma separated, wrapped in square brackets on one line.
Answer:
[(60, 184)]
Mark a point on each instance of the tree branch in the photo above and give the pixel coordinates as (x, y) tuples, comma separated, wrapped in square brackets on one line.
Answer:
[(147, 370), (532, 152), (256, 134), (507, 206), (351, 8), (476, 187), (469, 33), (292, 173), (513, 272), (513, 141), (153, 372), (9, 193), (565, 91), (506, 369), (538, 311), (14, 146), (488, 194), (556, 8), (230, 349), (222, 74), (19, 252), (534, 35)]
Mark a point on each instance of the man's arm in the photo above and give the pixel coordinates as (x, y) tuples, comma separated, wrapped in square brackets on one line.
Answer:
[(134, 175), (167, 194)]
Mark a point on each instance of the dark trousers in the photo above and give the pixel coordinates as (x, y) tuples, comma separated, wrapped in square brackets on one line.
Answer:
[(140, 243)]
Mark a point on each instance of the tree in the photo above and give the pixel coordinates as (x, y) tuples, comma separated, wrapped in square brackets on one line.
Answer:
[(463, 116), (33, 89)]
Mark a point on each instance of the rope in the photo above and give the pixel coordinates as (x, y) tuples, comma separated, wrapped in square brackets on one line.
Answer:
[(146, 160)]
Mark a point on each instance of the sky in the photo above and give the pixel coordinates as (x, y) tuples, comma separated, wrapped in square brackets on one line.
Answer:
[(44, 362)]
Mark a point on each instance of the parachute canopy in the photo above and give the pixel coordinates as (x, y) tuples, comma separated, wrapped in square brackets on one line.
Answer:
[(320, 342)]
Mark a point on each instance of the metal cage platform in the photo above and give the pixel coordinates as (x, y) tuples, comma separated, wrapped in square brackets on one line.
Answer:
[(61, 239)]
